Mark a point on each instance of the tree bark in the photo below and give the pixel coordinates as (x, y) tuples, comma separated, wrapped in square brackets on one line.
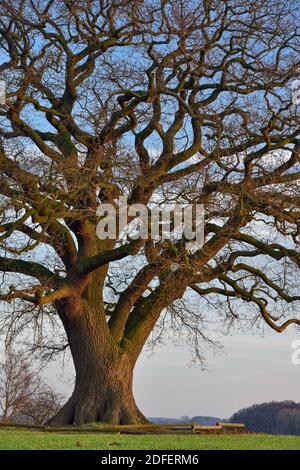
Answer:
[(102, 394), (104, 371)]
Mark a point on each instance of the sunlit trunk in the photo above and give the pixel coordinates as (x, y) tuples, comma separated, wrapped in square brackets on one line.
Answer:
[(104, 372)]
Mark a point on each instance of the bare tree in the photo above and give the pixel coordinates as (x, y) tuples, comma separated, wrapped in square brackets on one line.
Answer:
[(24, 397), (15, 384), (42, 405), (184, 101)]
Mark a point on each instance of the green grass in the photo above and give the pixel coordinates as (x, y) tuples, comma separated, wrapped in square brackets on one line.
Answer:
[(11, 439)]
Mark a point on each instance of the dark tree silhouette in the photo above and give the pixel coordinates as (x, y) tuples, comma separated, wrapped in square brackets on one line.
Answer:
[(272, 418)]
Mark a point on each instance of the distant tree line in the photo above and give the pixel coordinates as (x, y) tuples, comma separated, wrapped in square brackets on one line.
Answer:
[(202, 420), (272, 418)]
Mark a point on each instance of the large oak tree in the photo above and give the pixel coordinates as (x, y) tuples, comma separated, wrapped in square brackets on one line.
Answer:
[(170, 100)]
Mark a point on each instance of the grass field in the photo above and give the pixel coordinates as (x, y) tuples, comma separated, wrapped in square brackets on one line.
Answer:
[(12, 439)]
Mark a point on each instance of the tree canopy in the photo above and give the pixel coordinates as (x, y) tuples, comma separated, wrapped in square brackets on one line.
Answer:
[(181, 101)]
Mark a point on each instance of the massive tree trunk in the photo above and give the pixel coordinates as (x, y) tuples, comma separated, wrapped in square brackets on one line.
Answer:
[(104, 370), (103, 392)]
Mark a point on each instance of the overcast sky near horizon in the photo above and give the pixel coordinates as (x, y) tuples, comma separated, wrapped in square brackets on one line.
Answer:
[(250, 369)]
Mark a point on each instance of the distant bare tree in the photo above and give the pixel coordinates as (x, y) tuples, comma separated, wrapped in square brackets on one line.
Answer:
[(41, 405), (24, 397), (16, 383)]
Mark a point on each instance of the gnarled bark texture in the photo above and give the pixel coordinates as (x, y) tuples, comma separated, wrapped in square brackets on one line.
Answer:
[(103, 392), (104, 370)]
